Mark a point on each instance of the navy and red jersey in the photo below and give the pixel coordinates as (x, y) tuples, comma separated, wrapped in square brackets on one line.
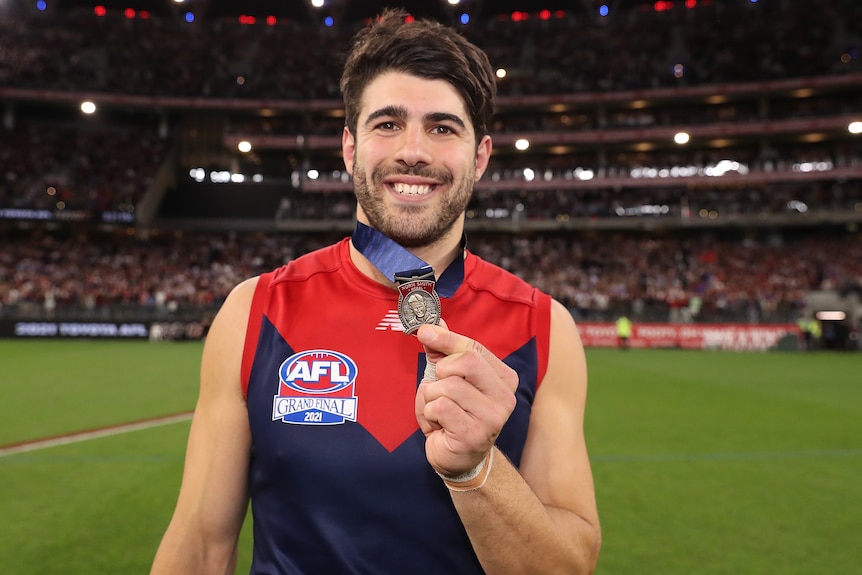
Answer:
[(338, 478)]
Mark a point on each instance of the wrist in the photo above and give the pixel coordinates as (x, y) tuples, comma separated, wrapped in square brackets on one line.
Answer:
[(472, 479)]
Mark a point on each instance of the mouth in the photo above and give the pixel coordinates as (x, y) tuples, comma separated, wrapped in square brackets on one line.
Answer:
[(404, 189)]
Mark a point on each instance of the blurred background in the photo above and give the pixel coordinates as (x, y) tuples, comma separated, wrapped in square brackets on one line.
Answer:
[(692, 165), (678, 162)]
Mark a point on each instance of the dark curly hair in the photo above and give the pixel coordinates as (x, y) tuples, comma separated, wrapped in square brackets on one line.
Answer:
[(423, 48)]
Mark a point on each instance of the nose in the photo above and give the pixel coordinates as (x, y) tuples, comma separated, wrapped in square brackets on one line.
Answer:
[(414, 147)]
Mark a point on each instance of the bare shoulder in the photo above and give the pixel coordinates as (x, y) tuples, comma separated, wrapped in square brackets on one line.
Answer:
[(235, 309), (238, 301), (566, 377), (222, 355)]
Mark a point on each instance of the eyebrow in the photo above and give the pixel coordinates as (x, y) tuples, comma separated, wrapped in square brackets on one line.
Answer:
[(400, 112), (435, 117)]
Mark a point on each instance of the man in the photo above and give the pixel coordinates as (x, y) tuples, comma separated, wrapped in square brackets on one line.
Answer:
[(458, 449), (624, 332)]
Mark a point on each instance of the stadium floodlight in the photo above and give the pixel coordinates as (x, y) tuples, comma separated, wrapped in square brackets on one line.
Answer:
[(88, 107), (830, 315), (681, 138), (501, 73), (584, 174), (522, 144), (244, 146), (317, 3), (855, 128)]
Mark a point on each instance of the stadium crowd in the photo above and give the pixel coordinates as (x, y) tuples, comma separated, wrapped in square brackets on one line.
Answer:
[(696, 277), (708, 274), (717, 42), (82, 165), (99, 170), (47, 165)]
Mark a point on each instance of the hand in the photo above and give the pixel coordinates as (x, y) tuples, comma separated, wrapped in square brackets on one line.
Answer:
[(462, 413)]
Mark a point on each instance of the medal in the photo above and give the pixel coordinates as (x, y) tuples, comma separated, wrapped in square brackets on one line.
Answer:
[(418, 302), (418, 299)]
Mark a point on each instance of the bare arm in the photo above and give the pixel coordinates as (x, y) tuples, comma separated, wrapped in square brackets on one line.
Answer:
[(203, 532), (543, 519)]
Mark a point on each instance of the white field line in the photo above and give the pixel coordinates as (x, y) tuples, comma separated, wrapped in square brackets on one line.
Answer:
[(38, 444)]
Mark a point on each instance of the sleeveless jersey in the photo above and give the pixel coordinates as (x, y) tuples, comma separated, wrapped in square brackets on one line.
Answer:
[(338, 478)]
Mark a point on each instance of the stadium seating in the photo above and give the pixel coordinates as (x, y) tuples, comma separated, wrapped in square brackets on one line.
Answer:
[(736, 225)]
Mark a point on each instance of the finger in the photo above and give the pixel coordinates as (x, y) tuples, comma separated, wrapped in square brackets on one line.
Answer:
[(459, 425), (432, 358), (457, 428), (426, 424), (432, 355), (439, 342)]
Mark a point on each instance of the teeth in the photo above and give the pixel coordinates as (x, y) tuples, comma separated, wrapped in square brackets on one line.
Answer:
[(411, 190)]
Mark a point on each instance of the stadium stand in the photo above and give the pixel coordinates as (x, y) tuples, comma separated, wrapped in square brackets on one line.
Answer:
[(758, 209)]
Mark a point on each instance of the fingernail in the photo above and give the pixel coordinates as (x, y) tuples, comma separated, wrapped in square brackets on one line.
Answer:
[(426, 333)]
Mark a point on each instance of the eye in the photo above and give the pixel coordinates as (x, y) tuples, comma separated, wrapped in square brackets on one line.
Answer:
[(387, 126), (442, 130)]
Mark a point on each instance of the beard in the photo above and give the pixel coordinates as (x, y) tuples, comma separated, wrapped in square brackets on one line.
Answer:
[(413, 225)]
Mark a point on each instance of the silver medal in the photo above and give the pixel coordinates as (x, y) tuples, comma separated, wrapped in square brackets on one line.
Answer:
[(418, 304)]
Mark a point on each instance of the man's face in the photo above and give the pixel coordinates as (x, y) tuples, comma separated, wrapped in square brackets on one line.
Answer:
[(414, 158), (418, 307)]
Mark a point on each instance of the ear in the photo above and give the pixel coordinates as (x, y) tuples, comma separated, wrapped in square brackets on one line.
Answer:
[(348, 148), (483, 155)]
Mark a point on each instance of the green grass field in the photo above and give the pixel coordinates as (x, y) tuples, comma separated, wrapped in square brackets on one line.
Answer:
[(705, 462)]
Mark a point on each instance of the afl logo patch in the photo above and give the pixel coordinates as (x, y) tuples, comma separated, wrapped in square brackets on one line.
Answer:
[(316, 388)]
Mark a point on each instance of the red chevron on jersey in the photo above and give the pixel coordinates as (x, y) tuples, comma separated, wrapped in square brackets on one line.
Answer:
[(322, 302)]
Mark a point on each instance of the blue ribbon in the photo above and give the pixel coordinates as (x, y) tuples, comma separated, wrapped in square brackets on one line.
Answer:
[(392, 259)]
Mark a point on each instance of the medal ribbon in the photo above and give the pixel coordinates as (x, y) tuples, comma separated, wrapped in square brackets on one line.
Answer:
[(397, 263)]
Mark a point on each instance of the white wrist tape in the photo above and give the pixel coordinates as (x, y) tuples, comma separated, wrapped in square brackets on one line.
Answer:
[(473, 479)]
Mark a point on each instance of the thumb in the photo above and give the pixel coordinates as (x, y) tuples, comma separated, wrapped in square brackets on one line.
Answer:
[(432, 356)]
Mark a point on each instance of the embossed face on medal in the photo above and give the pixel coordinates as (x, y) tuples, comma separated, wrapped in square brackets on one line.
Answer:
[(418, 304), (414, 158)]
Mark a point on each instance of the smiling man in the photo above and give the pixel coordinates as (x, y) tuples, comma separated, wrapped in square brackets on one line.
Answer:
[(451, 446), (418, 159)]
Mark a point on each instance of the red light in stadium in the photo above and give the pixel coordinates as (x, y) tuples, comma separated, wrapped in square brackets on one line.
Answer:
[(520, 16), (100, 10), (408, 19), (129, 12), (144, 14), (560, 14), (545, 14), (690, 3), (246, 19), (663, 5), (270, 20)]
